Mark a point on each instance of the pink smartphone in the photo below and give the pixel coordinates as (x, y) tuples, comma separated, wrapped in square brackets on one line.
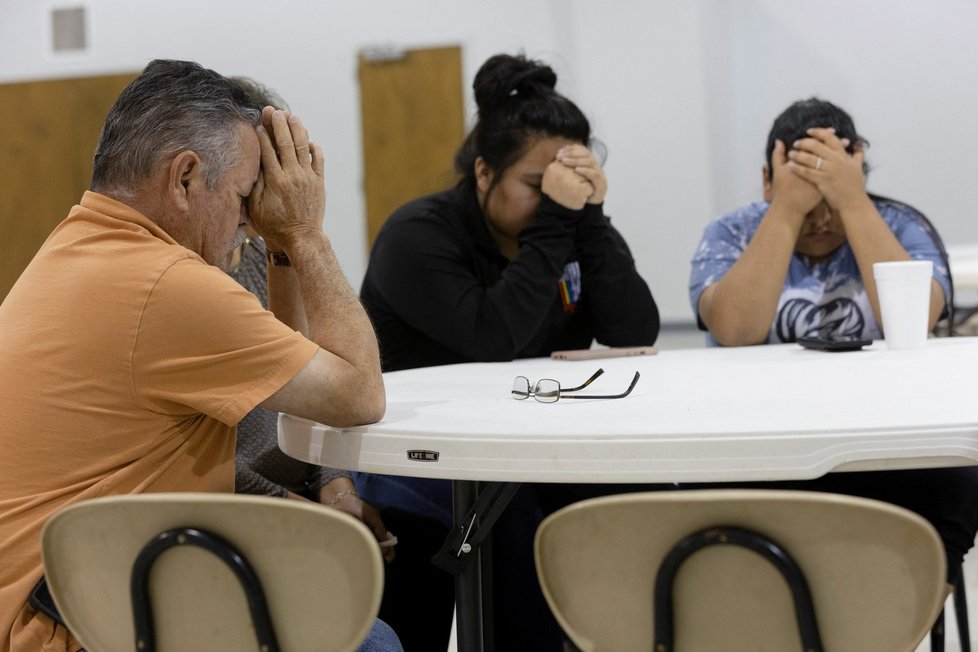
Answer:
[(611, 352)]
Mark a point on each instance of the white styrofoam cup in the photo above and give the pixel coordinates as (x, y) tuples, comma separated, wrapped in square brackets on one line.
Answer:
[(903, 288)]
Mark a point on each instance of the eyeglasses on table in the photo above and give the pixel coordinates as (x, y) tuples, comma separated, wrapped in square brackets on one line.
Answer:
[(548, 390)]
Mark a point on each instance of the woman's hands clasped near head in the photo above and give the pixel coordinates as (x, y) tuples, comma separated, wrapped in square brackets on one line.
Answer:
[(812, 184), (822, 160), (567, 172), (586, 166)]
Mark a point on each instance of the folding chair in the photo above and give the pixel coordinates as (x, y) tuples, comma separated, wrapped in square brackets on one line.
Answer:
[(193, 571), (873, 573)]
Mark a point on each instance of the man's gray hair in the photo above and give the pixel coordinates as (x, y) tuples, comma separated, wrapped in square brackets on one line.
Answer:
[(171, 107)]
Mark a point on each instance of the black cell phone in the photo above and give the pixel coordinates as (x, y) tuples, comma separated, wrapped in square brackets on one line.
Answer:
[(838, 343), (40, 598)]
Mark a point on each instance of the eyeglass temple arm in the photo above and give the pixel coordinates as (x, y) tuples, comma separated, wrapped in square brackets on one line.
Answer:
[(622, 395), (595, 376)]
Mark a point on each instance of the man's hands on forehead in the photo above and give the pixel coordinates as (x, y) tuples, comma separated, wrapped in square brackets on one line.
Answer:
[(288, 202)]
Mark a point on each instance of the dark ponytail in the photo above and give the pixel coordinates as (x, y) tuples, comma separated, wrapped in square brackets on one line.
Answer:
[(517, 103)]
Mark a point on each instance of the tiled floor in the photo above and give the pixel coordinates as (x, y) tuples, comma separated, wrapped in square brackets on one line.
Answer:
[(951, 642)]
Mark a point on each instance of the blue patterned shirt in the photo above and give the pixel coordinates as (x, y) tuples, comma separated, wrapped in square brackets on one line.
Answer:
[(819, 299)]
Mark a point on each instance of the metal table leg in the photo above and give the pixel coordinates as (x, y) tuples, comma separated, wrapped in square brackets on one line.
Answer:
[(475, 510), (468, 582)]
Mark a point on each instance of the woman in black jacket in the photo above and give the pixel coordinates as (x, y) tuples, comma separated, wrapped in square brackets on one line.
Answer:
[(517, 260)]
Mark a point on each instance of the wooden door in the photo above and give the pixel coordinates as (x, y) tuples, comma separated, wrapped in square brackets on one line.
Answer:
[(48, 132), (412, 115)]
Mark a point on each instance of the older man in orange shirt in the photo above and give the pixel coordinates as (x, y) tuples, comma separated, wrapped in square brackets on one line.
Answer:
[(127, 355)]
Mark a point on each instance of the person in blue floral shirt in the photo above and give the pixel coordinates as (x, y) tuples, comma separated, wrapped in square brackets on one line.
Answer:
[(800, 263)]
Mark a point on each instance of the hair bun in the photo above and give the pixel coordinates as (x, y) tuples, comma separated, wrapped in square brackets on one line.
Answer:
[(504, 76)]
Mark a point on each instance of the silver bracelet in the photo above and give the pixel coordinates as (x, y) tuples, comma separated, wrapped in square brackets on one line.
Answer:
[(346, 492)]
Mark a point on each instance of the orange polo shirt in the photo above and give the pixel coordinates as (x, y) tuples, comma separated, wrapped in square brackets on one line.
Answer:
[(125, 363)]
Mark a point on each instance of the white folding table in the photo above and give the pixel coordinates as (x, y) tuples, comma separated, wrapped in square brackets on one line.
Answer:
[(771, 412)]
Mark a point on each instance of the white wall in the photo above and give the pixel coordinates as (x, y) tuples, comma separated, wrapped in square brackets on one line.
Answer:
[(682, 93), (304, 49), (907, 71), (643, 70)]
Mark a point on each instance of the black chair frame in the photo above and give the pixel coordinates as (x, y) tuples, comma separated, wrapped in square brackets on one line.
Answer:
[(663, 611), (227, 553), (927, 226)]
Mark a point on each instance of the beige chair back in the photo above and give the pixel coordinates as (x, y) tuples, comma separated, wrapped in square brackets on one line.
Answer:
[(321, 570), (876, 571)]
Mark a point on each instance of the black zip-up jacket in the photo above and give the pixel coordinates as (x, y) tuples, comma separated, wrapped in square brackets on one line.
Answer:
[(439, 291)]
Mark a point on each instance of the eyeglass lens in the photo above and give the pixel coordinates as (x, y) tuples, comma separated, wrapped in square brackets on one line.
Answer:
[(546, 390), (521, 388)]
